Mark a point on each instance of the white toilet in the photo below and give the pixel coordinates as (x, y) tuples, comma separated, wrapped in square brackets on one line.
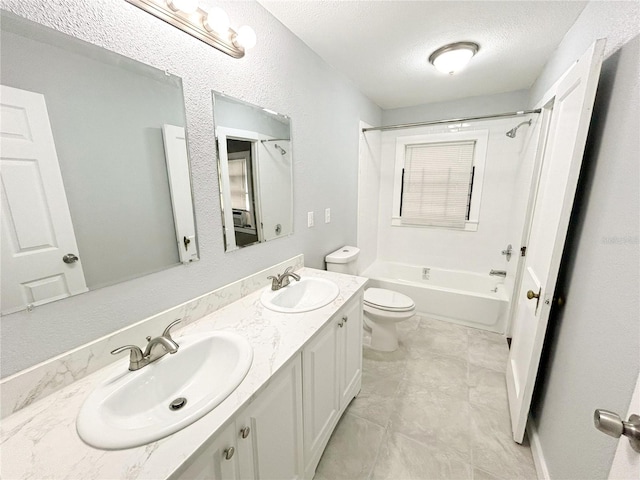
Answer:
[(382, 308)]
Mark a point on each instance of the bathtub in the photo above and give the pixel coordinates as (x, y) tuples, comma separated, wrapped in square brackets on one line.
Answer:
[(466, 298)]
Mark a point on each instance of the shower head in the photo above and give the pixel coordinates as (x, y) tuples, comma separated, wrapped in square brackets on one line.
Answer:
[(512, 133), (282, 150)]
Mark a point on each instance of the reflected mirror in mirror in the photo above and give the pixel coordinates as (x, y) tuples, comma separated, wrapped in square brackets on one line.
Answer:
[(254, 172), (96, 186)]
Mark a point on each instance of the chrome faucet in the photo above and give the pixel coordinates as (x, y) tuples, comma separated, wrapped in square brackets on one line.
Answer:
[(498, 273), (280, 281), (156, 348)]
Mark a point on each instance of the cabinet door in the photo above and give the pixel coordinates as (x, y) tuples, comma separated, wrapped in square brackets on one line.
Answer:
[(274, 422), (320, 394), (350, 345), (212, 463)]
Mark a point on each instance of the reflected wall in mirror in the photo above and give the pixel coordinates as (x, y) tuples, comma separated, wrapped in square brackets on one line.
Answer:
[(96, 185), (254, 172)]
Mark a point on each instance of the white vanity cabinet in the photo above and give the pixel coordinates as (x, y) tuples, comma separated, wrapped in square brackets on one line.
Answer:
[(264, 441), (332, 371)]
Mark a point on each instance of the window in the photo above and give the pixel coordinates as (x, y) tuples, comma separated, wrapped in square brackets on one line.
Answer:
[(438, 179)]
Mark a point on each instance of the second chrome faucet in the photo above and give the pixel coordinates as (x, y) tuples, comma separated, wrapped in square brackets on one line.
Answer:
[(156, 348)]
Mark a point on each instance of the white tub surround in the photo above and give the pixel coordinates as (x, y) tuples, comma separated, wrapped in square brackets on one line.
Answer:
[(40, 441), (466, 298)]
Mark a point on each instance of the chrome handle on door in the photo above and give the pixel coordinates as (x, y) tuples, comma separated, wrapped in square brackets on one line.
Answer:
[(228, 453), (244, 432), (611, 424), (70, 258), (345, 318), (341, 323)]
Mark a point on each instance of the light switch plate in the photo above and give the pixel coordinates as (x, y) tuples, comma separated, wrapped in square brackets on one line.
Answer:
[(309, 219)]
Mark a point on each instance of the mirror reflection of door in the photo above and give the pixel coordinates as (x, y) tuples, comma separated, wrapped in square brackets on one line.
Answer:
[(241, 158)]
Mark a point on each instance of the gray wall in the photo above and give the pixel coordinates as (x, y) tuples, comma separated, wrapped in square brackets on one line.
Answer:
[(591, 358), (231, 114), (106, 117), (281, 73), (465, 107)]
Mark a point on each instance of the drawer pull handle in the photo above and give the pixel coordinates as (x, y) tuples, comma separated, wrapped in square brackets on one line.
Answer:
[(244, 432), (228, 453)]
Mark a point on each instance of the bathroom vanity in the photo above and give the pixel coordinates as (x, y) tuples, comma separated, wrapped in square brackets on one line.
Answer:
[(306, 369)]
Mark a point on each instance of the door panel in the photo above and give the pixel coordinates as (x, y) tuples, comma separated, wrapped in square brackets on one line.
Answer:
[(562, 160), (36, 224)]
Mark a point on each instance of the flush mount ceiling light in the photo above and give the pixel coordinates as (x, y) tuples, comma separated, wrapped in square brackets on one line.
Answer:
[(453, 57), (211, 25)]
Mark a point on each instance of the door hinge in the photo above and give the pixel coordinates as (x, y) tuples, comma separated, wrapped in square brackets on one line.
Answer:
[(523, 251)]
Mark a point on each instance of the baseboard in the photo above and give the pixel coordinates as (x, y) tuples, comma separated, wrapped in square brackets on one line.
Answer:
[(536, 451)]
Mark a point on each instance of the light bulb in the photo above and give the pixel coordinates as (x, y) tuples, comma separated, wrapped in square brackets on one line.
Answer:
[(185, 6), (454, 57), (216, 20), (246, 37)]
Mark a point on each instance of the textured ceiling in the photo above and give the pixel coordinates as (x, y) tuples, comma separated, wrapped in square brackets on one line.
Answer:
[(383, 46)]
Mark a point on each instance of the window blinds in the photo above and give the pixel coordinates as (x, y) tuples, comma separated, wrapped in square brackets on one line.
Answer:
[(238, 183), (435, 184)]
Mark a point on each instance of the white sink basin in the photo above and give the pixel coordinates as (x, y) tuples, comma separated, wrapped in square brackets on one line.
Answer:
[(133, 408), (309, 293)]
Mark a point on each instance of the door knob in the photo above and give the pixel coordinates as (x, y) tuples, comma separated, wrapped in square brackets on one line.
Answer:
[(611, 424), (70, 258), (531, 295)]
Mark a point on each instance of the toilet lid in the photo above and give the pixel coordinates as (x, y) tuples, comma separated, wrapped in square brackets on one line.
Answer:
[(387, 299)]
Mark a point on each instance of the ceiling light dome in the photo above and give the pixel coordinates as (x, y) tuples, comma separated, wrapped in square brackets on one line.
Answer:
[(453, 57)]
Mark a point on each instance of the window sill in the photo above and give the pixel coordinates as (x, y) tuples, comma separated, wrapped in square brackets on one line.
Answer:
[(469, 226)]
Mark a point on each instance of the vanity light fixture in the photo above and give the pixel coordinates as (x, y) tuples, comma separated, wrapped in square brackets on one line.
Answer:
[(210, 25), (453, 57)]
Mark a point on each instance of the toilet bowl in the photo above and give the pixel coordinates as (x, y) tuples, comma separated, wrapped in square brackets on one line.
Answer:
[(383, 309)]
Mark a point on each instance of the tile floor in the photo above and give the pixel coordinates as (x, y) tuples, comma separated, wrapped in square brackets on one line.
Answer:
[(434, 409)]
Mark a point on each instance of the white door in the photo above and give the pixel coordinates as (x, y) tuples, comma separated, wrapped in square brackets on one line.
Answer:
[(36, 224), (574, 96), (626, 463), (177, 158)]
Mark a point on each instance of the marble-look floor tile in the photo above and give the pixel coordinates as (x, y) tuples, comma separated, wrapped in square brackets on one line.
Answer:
[(351, 451), (488, 336), (487, 353), (384, 364), (444, 328), (427, 341), (487, 388), (493, 448), (375, 400), (439, 373), (482, 475), (433, 419), (401, 457)]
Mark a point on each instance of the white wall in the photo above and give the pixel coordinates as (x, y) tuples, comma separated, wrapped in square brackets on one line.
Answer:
[(592, 354), (368, 196), (280, 73)]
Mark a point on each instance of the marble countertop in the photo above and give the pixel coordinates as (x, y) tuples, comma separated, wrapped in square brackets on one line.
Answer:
[(40, 441)]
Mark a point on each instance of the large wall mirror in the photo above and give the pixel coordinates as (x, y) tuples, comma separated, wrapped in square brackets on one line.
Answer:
[(96, 184), (254, 171)]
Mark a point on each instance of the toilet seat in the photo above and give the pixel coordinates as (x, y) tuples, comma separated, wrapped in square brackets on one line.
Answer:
[(387, 300)]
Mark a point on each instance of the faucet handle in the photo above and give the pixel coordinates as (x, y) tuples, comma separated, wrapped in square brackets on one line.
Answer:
[(167, 333), (136, 357), (275, 281)]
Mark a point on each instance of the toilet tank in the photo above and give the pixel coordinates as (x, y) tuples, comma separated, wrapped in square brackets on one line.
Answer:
[(343, 260)]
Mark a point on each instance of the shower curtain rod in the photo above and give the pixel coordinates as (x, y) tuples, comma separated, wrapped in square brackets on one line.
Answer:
[(452, 120), (276, 140)]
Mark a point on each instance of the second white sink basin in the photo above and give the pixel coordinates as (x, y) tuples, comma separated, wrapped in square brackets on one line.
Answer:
[(309, 293), (136, 408)]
